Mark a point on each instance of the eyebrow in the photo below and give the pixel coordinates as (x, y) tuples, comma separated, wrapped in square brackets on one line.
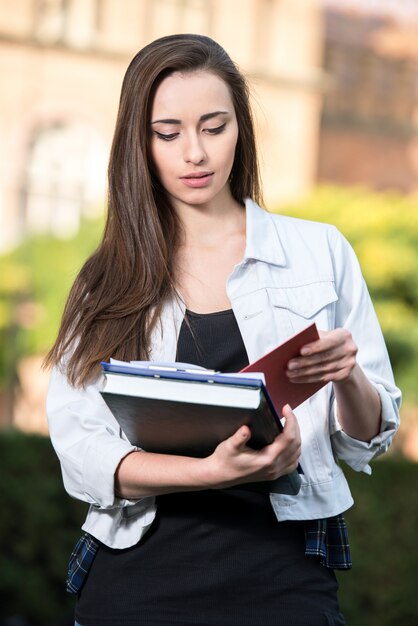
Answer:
[(202, 118)]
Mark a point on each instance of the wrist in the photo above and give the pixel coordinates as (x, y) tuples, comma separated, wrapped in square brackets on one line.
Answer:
[(207, 474)]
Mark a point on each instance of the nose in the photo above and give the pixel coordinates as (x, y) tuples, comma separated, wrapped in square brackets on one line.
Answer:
[(194, 151)]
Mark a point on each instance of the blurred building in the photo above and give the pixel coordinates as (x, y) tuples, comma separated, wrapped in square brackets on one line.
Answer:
[(369, 126), (61, 69)]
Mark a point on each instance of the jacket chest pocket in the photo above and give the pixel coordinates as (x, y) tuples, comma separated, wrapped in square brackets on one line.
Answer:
[(293, 308)]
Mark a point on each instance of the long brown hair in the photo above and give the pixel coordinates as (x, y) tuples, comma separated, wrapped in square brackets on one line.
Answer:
[(118, 295)]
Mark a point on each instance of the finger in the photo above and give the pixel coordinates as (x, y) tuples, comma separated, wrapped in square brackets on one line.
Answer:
[(332, 374), (241, 437), (322, 368), (291, 432), (327, 341), (316, 352), (291, 426), (318, 358), (335, 360), (287, 412)]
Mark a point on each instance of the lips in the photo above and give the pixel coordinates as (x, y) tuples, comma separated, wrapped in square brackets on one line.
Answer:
[(197, 179), (197, 175)]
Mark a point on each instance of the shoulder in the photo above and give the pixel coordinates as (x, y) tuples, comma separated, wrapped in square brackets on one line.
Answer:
[(306, 229), (287, 226), (316, 243), (294, 242)]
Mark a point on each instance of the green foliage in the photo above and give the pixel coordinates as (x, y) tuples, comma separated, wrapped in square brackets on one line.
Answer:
[(383, 230), (40, 524), (36, 279), (381, 588)]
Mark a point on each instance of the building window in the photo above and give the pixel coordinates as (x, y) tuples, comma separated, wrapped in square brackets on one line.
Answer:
[(177, 16), (74, 23), (64, 179), (50, 20)]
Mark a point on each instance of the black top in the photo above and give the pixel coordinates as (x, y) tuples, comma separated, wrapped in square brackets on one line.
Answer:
[(213, 557), (212, 340)]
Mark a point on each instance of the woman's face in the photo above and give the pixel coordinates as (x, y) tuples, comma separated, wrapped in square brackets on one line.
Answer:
[(194, 132)]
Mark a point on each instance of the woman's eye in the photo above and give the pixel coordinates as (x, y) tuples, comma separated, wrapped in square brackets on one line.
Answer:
[(217, 130), (164, 137)]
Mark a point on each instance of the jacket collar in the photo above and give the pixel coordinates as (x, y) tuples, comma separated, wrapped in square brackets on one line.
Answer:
[(263, 240)]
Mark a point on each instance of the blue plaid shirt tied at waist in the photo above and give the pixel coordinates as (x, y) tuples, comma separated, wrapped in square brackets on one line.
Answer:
[(325, 538)]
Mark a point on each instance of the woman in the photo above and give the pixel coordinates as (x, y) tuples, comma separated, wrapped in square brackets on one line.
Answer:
[(191, 269)]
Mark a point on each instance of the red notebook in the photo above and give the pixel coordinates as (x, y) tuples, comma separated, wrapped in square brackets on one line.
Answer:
[(274, 365)]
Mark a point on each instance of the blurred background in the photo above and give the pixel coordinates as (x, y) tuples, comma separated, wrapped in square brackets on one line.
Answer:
[(335, 95)]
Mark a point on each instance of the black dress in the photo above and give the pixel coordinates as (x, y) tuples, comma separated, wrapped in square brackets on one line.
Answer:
[(215, 557)]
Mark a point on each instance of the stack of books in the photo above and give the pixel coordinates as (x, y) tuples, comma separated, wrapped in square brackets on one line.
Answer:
[(179, 408)]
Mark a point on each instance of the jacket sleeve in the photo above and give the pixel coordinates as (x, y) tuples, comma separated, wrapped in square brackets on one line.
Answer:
[(87, 439), (355, 312)]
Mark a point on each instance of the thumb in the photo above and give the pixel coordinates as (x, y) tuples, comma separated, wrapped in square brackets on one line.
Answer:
[(289, 416), (241, 437), (291, 422), (287, 411)]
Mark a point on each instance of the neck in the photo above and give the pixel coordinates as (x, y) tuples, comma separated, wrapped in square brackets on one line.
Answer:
[(209, 224)]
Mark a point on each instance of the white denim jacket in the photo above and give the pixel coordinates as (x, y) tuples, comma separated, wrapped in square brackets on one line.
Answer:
[(294, 272)]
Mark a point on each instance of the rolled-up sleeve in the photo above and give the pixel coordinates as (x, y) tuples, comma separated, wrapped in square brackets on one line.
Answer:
[(87, 440), (355, 312), (358, 454)]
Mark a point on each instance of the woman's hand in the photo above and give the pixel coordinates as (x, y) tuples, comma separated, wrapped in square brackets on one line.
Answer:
[(234, 462), (142, 474), (332, 358)]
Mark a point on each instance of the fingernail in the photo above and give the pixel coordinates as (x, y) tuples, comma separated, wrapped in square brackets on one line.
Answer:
[(305, 351)]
